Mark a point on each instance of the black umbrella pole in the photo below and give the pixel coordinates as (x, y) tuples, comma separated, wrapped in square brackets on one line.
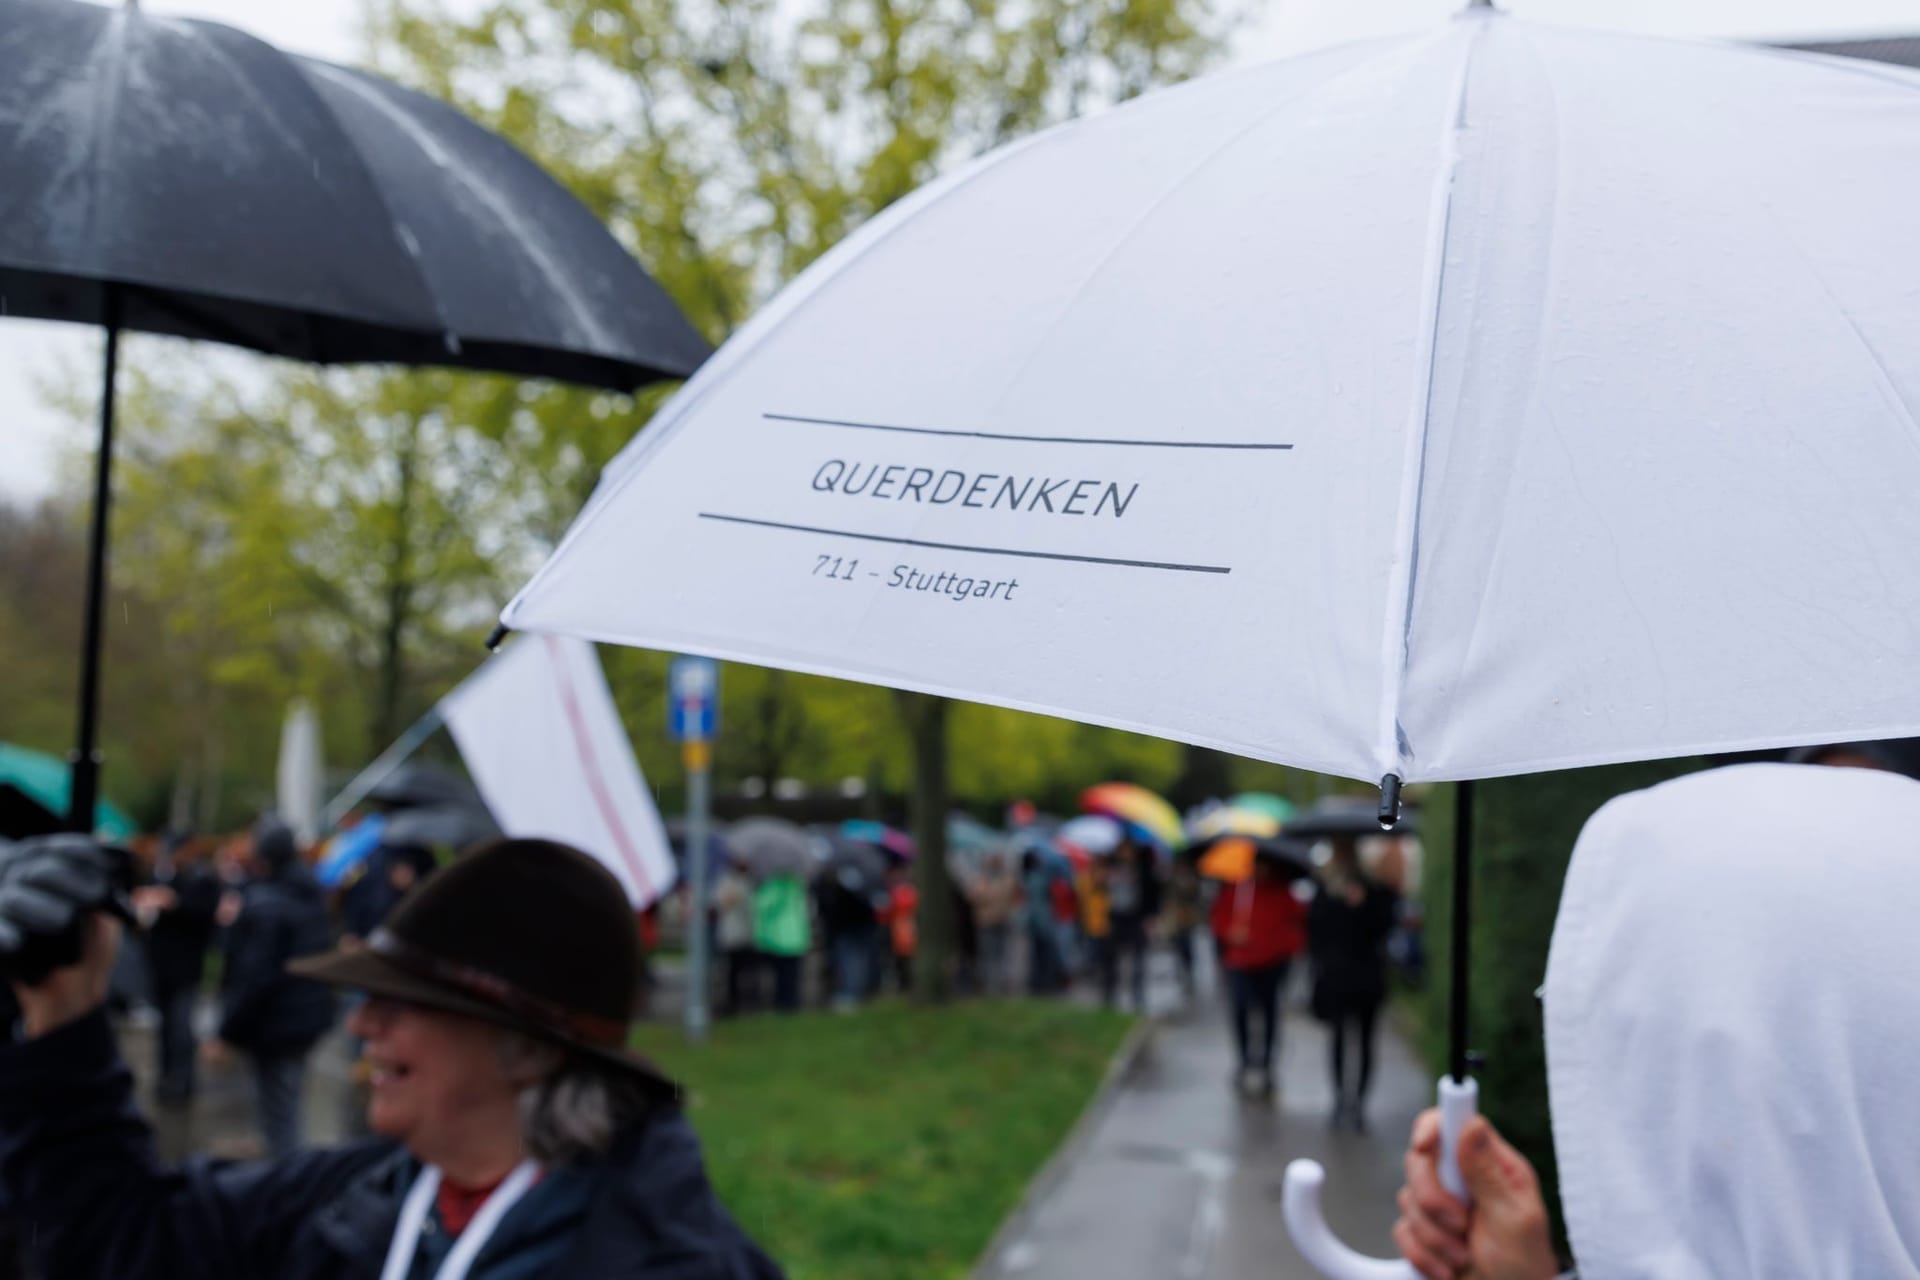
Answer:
[(1462, 930), (84, 788)]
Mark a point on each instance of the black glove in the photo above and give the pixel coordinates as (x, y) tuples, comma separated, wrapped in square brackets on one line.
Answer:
[(48, 886)]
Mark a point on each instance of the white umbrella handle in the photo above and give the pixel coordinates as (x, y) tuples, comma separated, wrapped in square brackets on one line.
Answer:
[(1459, 1102)]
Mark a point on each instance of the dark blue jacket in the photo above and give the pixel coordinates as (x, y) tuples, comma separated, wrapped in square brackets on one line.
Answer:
[(178, 941), (77, 1166), (263, 1008)]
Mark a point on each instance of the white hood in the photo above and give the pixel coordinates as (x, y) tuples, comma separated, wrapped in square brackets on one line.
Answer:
[(1733, 1029)]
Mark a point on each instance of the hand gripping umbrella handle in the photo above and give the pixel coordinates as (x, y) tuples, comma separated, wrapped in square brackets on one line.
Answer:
[(1459, 1101)]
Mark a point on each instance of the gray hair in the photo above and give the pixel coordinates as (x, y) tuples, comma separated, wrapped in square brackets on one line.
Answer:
[(574, 1107)]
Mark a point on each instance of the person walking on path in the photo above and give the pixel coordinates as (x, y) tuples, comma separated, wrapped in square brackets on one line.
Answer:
[(903, 931), (1133, 905), (1183, 915), (1046, 965), (517, 1135), (270, 1015), (1347, 929), (996, 901), (733, 934), (1260, 927), (177, 911), (1096, 928), (782, 935)]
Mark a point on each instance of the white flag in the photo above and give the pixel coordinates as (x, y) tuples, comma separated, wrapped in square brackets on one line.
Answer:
[(299, 781), (537, 728)]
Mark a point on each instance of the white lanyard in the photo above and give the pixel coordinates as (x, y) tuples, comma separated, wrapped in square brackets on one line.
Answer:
[(413, 1217)]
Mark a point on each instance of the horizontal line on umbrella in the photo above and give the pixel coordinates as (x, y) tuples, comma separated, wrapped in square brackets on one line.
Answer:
[(960, 546), (994, 435)]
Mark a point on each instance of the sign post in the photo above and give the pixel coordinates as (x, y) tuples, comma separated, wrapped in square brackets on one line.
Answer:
[(693, 688)]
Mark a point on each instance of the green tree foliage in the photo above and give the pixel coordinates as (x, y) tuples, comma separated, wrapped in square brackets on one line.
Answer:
[(347, 535), (42, 593)]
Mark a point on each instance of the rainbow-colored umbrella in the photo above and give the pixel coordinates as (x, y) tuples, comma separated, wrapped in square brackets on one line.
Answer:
[(1226, 820), (1144, 812)]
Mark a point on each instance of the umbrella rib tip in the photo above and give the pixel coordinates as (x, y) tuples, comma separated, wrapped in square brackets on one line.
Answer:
[(1389, 801)]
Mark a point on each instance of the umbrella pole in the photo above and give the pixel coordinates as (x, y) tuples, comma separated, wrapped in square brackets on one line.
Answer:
[(381, 769), (1462, 929), (84, 787)]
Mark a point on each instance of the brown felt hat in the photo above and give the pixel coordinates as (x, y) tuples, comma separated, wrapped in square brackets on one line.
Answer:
[(527, 934)]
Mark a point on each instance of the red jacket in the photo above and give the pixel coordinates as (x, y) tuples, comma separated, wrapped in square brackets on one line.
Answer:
[(1259, 923)]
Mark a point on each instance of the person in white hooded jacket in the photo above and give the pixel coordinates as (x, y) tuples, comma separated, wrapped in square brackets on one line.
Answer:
[(1733, 1045)]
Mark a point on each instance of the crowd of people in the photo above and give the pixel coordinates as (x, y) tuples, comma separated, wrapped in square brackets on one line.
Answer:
[(1027, 920), (500, 1074), (248, 903), (511, 1132)]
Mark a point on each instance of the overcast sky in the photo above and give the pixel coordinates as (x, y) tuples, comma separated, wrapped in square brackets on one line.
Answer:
[(30, 434)]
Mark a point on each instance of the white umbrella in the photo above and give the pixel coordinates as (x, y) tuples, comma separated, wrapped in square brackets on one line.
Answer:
[(1095, 834), (1502, 399)]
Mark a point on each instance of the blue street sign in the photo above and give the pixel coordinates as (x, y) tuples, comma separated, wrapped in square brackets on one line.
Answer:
[(693, 698)]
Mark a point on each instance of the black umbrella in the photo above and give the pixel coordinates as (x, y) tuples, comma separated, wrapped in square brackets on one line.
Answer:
[(440, 826), (181, 177), (1346, 816), (419, 783)]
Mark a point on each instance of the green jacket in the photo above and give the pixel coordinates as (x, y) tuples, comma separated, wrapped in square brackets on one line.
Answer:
[(781, 925)]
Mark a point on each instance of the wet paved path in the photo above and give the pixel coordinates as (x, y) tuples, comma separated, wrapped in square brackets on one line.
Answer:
[(1179, 1178)]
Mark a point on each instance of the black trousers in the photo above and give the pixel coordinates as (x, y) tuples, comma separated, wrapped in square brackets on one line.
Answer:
[(740, 966), (1256, 993), (1127, 940), (1358, 1017), (786, 982), (175, 1047)]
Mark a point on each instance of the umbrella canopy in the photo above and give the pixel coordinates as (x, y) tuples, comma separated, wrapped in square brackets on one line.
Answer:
[(771, 847), (889, 840), (1145, 813), (1279, 808), (419, 783), (969, 841), (1495, 419), (973, 837), (348, 850), (1095, 834), (180, 177), (1230, 820), (1232, 858), (1600, 429), (1347, 816), (34, 794), (440, 826), (244, 195)]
